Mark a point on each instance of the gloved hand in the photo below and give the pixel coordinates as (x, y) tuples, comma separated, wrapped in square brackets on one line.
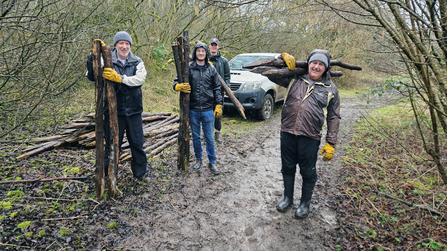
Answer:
[(112, 75), (218, 111), (290, 61), (329, 152), (183, 87), (102, 43)]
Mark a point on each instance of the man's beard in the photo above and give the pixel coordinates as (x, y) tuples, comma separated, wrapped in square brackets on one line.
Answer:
[(200, 60), (122, 54)]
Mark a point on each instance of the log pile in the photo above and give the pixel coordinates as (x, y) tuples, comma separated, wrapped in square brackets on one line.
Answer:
[(277, 68), (160, 131)]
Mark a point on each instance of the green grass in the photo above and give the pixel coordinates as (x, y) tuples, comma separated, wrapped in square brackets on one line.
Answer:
[(385, 156)]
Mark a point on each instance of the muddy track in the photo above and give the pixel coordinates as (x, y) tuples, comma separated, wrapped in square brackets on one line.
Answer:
[(236, 209)]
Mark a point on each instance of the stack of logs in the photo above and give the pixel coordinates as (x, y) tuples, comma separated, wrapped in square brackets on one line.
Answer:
[(160, 131)]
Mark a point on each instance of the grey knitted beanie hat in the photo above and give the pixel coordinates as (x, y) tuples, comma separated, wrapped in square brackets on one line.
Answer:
[(122, 35), (319, 57)]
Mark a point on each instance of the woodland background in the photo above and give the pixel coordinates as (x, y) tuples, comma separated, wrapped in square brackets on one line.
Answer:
[(401, 45)]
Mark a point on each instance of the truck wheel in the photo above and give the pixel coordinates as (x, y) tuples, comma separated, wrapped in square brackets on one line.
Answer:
[(267, 108)]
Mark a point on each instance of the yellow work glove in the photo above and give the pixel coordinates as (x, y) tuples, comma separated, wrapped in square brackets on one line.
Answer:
[(183, 87), (290, 61), (102, 43), (112, 75), (329, 152), (218, 111)]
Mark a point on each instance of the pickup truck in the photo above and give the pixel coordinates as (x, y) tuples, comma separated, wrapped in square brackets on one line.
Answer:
[(254, 91)]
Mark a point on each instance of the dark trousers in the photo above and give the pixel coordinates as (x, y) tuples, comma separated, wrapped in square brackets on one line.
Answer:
[(299, 150), (133, 126), (218, 121)]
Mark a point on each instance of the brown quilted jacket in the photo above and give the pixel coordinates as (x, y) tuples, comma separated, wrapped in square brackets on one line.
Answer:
[(308, 105)]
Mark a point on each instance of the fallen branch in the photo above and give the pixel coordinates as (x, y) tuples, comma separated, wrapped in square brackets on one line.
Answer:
[(128, 155), (45, 180), (411, 204), (279, 63), (49, 145), (68, 218), (11, 245), (159, 149)]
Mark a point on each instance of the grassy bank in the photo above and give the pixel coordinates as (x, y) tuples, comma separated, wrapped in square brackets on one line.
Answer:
[(394, 196)]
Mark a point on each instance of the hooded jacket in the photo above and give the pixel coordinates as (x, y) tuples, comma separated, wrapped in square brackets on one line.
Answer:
[(205, 85), (309, 104)]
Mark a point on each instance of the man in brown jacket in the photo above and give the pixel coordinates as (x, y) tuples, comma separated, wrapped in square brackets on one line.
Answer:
[(312, 99)]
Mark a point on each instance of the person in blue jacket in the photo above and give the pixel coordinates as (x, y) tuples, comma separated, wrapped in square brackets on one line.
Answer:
[(129, 74)]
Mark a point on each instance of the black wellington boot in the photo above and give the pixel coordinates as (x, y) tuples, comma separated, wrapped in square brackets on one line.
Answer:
[(289, 184), (197, 165), (306, 195)]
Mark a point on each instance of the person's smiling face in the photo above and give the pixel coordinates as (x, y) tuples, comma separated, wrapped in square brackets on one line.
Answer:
[(214, 48), (123, 48), (316, 70), (201, 54)]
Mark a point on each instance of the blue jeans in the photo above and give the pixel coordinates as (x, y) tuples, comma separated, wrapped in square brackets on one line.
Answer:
[(207, 120)]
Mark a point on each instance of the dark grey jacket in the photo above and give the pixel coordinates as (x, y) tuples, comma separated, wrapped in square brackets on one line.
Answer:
[(222, 67), (205, 85), (128, 92)]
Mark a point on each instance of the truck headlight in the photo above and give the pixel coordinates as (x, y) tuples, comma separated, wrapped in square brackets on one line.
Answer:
[(251, 86)]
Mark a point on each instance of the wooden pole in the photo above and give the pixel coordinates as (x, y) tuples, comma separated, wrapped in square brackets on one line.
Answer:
[(233, 99), (99, 126), (113, 123), (182, 66)]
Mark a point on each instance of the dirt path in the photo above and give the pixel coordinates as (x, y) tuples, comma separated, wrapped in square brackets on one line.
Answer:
[(236, 210)]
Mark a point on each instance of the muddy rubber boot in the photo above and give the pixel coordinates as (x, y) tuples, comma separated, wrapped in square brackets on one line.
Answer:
[(197, 165), (217, 137), (306, 195), (289, 184), (213, 168)]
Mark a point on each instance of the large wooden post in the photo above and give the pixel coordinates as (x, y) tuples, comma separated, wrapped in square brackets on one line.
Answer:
[(113, 122), (99, 126), (182, 65)]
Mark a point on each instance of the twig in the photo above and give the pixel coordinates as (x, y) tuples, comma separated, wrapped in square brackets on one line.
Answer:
[(45, 180), (410, 204), (43, 198), (50, 245), (69, 218), (374, 206), (172, 204), (11, 245)]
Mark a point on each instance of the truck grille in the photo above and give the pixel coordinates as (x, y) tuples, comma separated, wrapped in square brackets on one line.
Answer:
[(235, 86)]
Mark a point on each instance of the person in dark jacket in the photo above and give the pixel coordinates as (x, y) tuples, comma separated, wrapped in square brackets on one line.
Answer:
[(312, 99), (129, 74), (223, 68), (205, 97)]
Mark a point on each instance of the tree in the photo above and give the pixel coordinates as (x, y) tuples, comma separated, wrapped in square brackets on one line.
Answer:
[(418, 30)]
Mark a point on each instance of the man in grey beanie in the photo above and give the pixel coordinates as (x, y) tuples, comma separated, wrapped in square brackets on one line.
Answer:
[(312, 99), (129, 74)]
